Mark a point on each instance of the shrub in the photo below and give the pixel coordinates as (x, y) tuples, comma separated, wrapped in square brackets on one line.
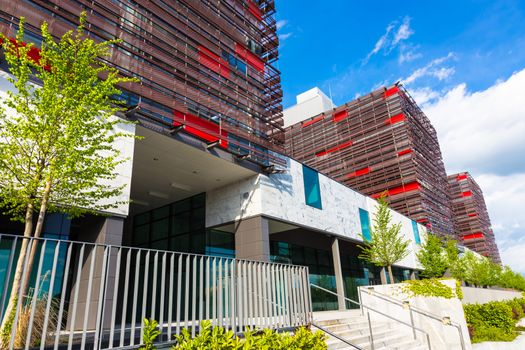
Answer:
[(494, 321), (459, 291), (491, 334), (151, 332), (218, 338), (431, 287)]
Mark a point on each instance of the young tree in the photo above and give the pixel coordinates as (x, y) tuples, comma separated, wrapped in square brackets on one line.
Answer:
[(432, 257), (57, 136), (387, 245)]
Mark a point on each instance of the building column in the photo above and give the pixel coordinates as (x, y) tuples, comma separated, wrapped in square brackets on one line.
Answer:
[(338, 274), (384, 279), (105, 231), (413, 275), (252, 239)]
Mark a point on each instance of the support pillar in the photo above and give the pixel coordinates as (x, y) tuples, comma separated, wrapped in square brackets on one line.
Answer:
[(413, 275), (106, 231), (384, 279), (252, 239), (338, 275)]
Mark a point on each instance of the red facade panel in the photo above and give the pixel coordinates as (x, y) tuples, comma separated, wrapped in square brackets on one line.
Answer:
[(201, 128), (312, 121), (340, 116), (392, 91), (249, 57), (334, 149), (360, 172), (398, 118)]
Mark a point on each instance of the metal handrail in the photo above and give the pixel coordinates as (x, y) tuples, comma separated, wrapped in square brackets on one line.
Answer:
[(336, 336), (444, 320), (414, 328)]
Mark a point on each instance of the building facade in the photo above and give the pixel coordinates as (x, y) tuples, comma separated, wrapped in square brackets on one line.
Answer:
[(380, 143), (205, 65), (208, 174), (471, 218)]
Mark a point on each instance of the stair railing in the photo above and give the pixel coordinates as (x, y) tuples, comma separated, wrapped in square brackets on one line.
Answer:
[(411, 309), (368, 308), (336, 336)]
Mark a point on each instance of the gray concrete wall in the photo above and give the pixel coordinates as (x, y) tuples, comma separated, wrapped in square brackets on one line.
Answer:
[(473, 295)]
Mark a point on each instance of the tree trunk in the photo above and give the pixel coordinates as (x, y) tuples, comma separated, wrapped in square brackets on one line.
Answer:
[(15, 288), (390, 274), (37, 234)]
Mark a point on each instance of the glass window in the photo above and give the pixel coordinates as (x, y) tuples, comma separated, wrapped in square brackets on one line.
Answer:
[(180, 223), (141, 235), (416, 232), (160, 229), (312, 191), (365, 224), (180, 206), (161, 213), (141, 218)]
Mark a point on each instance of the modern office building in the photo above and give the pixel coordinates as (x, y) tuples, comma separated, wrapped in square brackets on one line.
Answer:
[(471, 218), (208, 175), (380, 143)]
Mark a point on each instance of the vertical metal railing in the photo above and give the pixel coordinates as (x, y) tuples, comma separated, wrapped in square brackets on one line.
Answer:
[(85, 295), (412, 309)]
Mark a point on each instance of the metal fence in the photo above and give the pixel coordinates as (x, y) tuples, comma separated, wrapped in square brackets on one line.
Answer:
[(95, 296)]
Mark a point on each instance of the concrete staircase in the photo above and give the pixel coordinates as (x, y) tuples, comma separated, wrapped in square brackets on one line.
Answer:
[(353, 327)]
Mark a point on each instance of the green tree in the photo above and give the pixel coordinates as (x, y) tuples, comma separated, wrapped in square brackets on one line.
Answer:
[(480, 271), (57, 136), (456, 266), (432, 257), (387, 245)]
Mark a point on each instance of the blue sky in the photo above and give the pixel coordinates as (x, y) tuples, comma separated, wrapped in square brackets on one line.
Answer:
[(328, 42), (462, 61)]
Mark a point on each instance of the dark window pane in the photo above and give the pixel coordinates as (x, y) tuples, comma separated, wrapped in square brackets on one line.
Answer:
[(199, 200), (181, 206), (180, 223), (180, 243), (198, 218), (161, 244), (141, 219), (141, 234), (159, 229), (161, 213), (197, 242)]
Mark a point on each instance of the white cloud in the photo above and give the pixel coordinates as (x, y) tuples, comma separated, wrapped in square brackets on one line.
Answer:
[(407, 54), (431, 69), (392, 38), (424, 95), (284, 36), (281, 23), (381, 43), (403, 32), (483, 132), (513, 256), (443, 72)]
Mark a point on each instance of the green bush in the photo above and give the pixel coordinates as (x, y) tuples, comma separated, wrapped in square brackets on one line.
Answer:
[(431, 287), (491, 334), (518, 308), (494, 321), (151, 332), (218, 338), (459, 291)]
